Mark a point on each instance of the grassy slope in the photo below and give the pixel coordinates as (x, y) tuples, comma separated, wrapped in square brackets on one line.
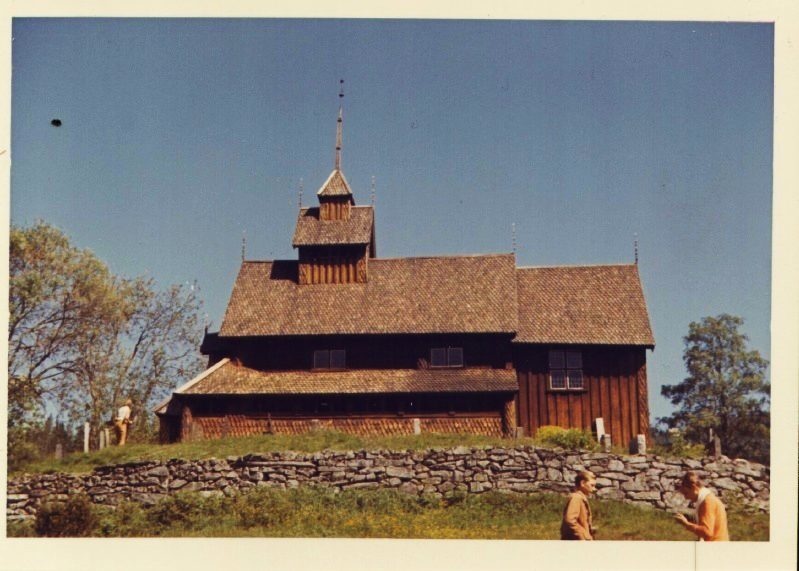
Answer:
[(312, 442), (383, 513), (388, 513)]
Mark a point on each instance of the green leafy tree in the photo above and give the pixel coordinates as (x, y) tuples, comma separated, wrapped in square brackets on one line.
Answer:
[(726, 389), (140, 358), (84, 340)]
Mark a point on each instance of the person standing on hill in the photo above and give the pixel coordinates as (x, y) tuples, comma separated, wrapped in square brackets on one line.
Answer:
[(711, 516), (577, 522), (122, 421)]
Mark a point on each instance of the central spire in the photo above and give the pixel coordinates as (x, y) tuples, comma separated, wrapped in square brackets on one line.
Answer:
[(339, 124)]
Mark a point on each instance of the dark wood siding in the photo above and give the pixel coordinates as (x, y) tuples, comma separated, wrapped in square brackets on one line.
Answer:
[(369, 351), (615, 390)]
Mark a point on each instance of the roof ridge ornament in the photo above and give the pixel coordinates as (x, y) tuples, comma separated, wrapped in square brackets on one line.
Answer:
[(339, 124)]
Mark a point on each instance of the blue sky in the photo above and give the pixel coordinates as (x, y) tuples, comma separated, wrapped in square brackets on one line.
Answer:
[(179, 135)]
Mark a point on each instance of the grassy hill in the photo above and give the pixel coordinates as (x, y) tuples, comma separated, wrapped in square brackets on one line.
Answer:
[(315, 512)]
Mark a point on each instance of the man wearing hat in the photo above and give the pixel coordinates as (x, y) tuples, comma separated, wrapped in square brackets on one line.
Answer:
[(122, 421)]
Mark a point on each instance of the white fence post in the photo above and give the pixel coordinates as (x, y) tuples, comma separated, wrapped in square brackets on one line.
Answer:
[(86, 430)]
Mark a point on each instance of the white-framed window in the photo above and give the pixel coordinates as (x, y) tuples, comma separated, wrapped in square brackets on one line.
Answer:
[(330, 359), (566, 370), (446, 357)]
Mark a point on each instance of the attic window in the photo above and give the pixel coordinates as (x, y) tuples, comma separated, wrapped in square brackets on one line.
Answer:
[(330, 359), (446, 357), (566, 370)]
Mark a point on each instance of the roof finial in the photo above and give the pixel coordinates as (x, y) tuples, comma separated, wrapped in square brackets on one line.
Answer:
[(373, 191), (300, 192), (243, 244), (513, 234), (339, 124), (635, 242)]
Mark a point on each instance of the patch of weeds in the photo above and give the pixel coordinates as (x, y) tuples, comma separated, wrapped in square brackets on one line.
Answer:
[(74, 518)]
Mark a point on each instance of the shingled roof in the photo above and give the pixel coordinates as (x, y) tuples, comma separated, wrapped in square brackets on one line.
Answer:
[(582, 304), (234, 379), (457, 294), (311, 231), (335, 185)]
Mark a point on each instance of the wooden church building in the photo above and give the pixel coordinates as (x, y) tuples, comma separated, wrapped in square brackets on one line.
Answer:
[(342, 339)]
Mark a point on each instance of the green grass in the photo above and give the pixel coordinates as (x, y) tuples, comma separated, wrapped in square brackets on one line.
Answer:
[(316, 512), (310, 442)]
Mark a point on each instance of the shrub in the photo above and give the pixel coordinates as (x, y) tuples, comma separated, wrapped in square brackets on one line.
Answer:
[(129, 519), (74, 518), (571, 438), (20, 453), (179, 510), (263, 507), (679, 446)]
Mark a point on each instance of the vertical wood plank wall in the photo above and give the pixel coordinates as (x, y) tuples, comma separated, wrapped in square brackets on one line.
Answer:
[(616, 390)]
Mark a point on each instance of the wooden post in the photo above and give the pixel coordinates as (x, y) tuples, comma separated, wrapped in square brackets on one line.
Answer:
[(185, 424), (86, 431), (101, 439), (640, 444), (59, 451), (716, 447), (225, 426), (600, 428), (509, 418), (108, 436), (417, 426)]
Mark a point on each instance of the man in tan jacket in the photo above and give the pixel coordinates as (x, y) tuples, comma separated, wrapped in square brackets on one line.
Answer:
[(577, 522), (711, 517)]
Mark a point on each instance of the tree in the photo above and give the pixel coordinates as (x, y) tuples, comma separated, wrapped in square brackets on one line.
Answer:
[(56, 292), (139, 358), (82, 339), (726, 389)]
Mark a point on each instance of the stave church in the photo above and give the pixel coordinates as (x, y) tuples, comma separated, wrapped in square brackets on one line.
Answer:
[(342, 339)]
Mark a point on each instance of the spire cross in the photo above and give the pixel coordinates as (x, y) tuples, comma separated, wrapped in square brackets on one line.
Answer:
[(513, 233), (636, 248), (339, 125), (300, 192)]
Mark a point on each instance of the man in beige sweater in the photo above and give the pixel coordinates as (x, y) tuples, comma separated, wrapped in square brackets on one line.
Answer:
[(577, 522), (711, 517)]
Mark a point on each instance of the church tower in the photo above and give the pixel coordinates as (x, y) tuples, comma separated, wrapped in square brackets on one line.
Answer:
[(336, 239)]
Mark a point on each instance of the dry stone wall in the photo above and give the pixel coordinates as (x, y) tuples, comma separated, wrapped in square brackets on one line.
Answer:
[(644, 480)]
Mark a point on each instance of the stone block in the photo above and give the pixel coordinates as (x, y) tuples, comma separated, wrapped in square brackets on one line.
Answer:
[(610, 494), (725, 484), (408, 488), (748, 471), (603, 482), (158, 471), (615, 466), (147, 499), (644, 495), (633, 486), (396, 472), (177, 484), (615, 476)]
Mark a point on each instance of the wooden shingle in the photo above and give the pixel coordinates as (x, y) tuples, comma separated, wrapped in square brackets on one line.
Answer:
[(234, 379), (583, 304), (457, 294), (311, 231)]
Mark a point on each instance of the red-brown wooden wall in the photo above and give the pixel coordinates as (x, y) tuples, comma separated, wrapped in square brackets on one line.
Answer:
[(615, 390)]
